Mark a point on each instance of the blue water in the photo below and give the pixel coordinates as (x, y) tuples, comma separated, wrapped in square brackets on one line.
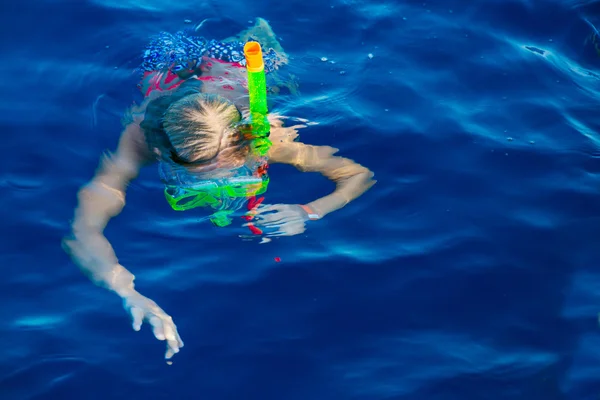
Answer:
[(469, 271)]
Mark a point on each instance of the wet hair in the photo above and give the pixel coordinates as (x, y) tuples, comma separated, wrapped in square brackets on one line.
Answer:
[(192, 128), (200, 126)]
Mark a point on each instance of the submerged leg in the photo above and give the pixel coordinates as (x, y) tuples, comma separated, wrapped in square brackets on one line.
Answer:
[(277, 83), (262, 32)]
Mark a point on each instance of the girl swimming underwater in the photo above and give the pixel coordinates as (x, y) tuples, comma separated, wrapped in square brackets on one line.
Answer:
[(191, 123)]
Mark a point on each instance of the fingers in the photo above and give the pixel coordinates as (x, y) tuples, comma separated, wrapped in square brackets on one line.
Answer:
[(278, 220), (157, 327), (138, 317), (169, 331), (274, 225), (179, 341), (173, 339), (164, 329), (263, 225), (271, 218), (281, 233), (283, 229), (277, 212), (288, 231), (169, 353), (266, 208)]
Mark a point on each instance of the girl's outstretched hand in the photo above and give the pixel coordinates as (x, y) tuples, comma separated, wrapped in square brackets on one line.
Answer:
[(142, 308), (280, 219)]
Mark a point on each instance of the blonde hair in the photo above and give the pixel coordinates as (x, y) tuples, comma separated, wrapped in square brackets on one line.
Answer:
[(201, 128)]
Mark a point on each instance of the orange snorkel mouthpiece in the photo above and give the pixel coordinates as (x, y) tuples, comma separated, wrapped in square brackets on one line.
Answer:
[(254, 57)]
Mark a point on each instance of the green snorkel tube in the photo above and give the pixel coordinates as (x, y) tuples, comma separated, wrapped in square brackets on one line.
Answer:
[(211, 194), (259, 123), (257, 89)]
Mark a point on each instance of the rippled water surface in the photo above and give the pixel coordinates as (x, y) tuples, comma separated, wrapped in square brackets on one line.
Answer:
[(469, 271)]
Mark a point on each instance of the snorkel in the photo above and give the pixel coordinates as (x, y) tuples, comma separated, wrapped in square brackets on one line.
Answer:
[(257, 89), (259, 124), (219, 194)]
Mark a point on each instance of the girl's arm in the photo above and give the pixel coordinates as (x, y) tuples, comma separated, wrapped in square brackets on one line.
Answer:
[(351, 178), (100, 200)]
